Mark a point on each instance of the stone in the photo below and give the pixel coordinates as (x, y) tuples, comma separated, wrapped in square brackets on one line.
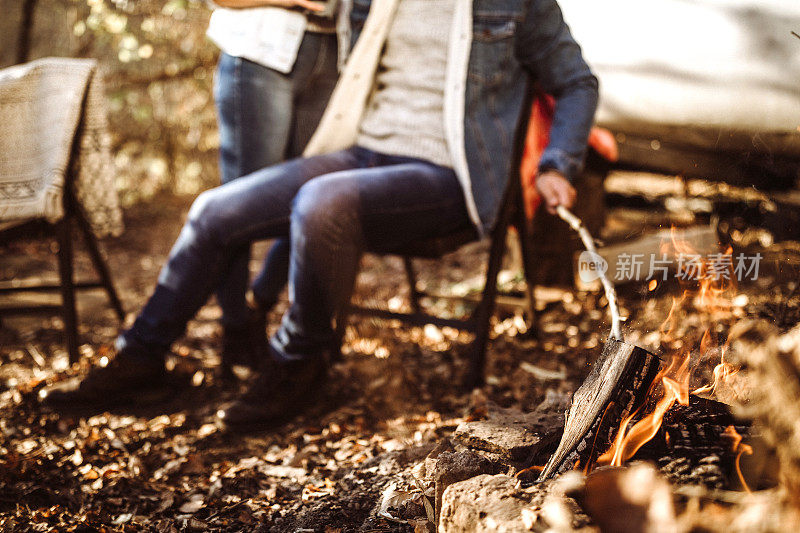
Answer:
[(452, 467), (430, 461), (498, 504), (485, 503), (515, 437)]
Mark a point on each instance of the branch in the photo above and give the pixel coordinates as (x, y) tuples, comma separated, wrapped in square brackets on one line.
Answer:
[(588, 242)]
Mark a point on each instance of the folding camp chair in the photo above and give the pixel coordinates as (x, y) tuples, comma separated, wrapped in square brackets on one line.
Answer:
[(531, 139)]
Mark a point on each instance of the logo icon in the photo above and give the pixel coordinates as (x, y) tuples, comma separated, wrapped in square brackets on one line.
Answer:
[(591, 266)]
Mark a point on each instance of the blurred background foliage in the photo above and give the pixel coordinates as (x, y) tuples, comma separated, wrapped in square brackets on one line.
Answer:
[(158, 68)]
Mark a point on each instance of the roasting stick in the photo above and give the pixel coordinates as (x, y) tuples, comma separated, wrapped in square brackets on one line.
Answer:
[(611, 295), (619, 378)]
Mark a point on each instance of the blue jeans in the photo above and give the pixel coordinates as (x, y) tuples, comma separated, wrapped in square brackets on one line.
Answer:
[(331, 207), (266, 117)]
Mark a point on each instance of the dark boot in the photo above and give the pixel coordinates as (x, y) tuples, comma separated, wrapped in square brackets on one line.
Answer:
[(281, 391), (245, 345), (125, 380)]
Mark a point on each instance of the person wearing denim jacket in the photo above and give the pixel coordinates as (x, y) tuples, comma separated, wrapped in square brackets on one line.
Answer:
[(496, 48), (345, 195)]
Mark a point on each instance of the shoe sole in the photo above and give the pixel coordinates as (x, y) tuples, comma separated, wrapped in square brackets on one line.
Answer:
[(140, 398), (302, 406)]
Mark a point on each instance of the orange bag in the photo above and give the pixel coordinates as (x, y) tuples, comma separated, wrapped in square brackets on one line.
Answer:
[(536, 139)]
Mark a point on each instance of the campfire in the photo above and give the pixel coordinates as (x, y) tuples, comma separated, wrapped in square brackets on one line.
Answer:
[(710, 292), (699, 431), (623, 404)]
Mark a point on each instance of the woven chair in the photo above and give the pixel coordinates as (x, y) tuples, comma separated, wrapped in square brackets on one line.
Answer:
[(57, 165), (63, 232)]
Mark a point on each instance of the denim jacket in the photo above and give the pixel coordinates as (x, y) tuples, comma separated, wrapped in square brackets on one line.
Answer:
[(496, 47)]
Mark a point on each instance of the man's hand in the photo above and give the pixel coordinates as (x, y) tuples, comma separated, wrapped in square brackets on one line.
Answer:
[(555, 190), (303, 4)]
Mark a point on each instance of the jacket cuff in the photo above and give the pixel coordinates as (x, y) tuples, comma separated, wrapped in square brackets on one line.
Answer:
[(559, 160)]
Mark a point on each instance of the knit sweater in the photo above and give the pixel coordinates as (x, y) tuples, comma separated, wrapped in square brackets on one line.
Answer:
[(405, 115)]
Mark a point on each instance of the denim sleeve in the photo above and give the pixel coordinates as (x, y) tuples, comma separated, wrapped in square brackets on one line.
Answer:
[(358, 15), (545, 47)]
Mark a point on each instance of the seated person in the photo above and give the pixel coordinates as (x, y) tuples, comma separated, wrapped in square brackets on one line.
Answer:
[(416, 143)]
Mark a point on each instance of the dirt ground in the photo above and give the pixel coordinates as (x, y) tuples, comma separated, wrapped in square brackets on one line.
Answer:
[(395, 393)]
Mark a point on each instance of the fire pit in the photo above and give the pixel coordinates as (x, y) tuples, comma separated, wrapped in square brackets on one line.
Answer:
[(629, 408), (657, 442)]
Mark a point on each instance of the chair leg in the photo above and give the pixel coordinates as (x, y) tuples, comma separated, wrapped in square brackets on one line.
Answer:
[(99, 263), (65, 270), (485, 309), (524, 235), (411, 277)]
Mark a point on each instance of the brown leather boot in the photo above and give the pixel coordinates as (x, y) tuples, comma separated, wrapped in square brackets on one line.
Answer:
[(124, 380), (282, 391)]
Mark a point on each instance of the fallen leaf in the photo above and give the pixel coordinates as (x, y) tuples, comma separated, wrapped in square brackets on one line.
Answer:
[(393, 498), (194, 504)]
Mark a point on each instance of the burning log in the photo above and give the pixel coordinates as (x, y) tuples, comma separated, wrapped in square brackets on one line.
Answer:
[(615, 387), (693, 444)]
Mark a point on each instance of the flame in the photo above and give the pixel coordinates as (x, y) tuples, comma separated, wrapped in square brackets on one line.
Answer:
[(670, 325), (722, 372), (737, 445), (675, 382), (530, 469), (711, 295)]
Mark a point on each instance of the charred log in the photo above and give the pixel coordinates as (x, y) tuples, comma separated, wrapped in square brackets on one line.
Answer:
[(689, 448), (615, 387)]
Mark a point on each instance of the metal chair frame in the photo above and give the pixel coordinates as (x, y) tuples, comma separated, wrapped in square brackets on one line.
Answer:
[(478, 321)]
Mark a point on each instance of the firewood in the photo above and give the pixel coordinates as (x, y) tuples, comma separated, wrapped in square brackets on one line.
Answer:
[(689, 447), (615, 386)]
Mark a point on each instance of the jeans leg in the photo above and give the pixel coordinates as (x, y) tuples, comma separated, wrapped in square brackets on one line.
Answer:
[(255, 109), (313, 78), (270, 282), (335, 215), (254, 207)]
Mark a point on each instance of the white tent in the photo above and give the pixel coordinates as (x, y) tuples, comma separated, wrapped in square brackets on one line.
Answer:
[(720, 73)]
